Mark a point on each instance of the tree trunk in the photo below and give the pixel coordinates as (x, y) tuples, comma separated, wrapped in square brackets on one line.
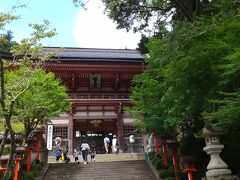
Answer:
[(3, 142), (11, 156), (8, 116)]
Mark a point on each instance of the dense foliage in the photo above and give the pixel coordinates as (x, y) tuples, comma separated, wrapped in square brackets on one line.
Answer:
[(27, 93), (193, 68), (45, 97)]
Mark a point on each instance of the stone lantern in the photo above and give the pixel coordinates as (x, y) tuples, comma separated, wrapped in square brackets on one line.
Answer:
[(217, 168)]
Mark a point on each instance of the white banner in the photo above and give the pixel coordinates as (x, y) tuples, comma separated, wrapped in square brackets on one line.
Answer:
[(49, 136)]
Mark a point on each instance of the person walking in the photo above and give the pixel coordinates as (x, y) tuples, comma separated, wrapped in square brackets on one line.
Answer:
[(93, 153), (85, 149), (106, 143), (114, 145), (75, 156), (65, 152)]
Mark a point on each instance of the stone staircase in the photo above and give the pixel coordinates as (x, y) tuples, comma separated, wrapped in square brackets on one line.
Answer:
[(106, 167), (107, 157)]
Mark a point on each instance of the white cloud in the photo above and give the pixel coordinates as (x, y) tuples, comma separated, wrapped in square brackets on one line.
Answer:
[(93, 29)]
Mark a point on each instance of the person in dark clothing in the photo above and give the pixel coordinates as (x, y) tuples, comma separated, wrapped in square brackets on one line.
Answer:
[(67, 159)]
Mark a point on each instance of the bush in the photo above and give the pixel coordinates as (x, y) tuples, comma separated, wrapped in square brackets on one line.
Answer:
[(6, 150), (167, 173), (151, 155), (36, 168), (170, 178), (158, 163), (182, 175), (1, 174), (154, 160), (30, 176)]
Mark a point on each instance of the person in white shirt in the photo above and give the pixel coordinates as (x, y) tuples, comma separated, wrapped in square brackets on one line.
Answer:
[(106, 143), (85, 149), (114, 144)]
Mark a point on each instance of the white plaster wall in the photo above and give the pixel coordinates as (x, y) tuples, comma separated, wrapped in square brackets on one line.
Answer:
[(95, 113), (109, 113), (109, 107), (95, 107), (81, 114)]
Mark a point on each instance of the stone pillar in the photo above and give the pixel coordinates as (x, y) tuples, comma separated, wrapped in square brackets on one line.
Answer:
[(120, 128), (70, 134), (217, 168)]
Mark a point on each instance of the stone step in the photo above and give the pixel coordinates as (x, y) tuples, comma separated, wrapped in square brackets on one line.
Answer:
[(106, 157), (119, 170)]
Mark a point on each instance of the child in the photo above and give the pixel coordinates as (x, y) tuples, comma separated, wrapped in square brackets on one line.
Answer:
[(75, 156), (92, 153)]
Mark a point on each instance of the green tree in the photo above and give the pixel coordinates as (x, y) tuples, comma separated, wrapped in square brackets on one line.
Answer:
[(6, 42), (139, 14), (45, 97), (23, 54), (193, 67)]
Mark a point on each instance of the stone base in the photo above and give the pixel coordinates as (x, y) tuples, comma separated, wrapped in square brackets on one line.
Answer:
[(223, 177), (218, 172)]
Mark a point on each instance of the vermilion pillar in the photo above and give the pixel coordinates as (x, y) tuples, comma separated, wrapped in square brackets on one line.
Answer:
[(164, 149), (175, 164), (190, 171), (156, 143), (39, 134), (18, 160), (188, 165), (31, 142), (38, 150), (29, 160), (70, 133), (119, 112), (20, 152)]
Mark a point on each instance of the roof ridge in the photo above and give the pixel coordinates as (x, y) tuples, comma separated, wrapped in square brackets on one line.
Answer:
[(48, 47)]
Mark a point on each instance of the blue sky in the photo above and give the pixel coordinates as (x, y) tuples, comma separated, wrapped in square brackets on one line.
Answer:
[(75, 27)]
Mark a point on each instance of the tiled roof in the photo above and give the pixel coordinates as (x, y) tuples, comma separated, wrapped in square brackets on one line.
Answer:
[(5, 55), (89, 54), (17, 136)]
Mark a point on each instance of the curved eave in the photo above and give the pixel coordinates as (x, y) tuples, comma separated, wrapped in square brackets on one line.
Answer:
[(82, 59)]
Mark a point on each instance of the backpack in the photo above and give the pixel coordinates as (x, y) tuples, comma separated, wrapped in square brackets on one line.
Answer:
[(58, 153)]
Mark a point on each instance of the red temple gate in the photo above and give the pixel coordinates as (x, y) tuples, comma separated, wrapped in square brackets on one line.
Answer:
[(99, 84)]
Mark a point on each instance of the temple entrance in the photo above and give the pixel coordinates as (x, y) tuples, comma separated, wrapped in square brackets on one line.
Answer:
[(93, 134), (93, 138)]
